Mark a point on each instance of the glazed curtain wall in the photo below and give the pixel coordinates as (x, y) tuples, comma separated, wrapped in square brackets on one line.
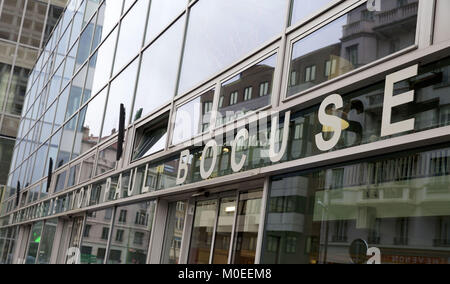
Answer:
[(398, 204)]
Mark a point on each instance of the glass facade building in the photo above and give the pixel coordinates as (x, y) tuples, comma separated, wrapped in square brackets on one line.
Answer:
[(240, 132), (25, 27)]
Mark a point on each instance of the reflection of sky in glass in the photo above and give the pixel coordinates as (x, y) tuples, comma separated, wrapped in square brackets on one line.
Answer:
[(220, 32), (187, 121), (121, 92), (112, 10), (304, 8), (157, 78), (326, 36), (131, 34), (104, 62), (162, 12), (94, 114)]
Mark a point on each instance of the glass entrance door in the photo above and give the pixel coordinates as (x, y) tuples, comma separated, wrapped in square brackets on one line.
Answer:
[(174, 232), (70, 240), (225, 229)]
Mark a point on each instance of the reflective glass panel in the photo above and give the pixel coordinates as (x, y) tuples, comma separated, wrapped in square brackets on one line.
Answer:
[(202, 232), (48, 236), (131, 34), (87, 168), (247, 227), (106, 159), (352, 41), (131, 235), (61, 108), (89, 124), (162, 12), (121, 91), (33, 245), (158, 74), (174, 233), (395, 203), (17, 90), (246, 92), (10, 19), (73, 175), (302, 9), (105, 55), (222, 32), (76, 91), (109, 15), (66, 144), (193, 118), (224, 230), (95, 237), (151, 138)]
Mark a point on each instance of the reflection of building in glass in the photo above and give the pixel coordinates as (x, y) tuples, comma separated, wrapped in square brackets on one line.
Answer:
[(25, 28), (249, 91), (386, 203), (363, 37)]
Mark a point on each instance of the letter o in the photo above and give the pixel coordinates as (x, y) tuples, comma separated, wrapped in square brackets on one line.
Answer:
[(206, 174)]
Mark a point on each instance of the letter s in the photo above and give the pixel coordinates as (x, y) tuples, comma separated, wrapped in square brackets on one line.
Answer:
[(329, 120)]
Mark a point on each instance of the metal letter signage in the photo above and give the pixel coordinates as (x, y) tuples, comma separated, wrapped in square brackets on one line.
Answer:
[(333, 117), (391, 101), (335, 123)]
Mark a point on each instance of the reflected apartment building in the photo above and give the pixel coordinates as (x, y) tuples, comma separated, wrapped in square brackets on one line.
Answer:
[(221, 155)]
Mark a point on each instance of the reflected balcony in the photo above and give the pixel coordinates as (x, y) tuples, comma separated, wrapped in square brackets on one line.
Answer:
[(397, 15)]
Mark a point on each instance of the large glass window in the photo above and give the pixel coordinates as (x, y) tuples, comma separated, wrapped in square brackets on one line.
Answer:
[(162, 12), (158, 74), (106, 159), (89, 124), (151, 138), (247, 228), (224, 230), (131, 236), (87, 168), (351, 41), (302, 9), (46, 244), (121, 91), (66, 145), (53, 150), (76, 92), (10, 19), (105, 55), (202, 232), (213, 24), (396, 204), (109, 15), (95, 237), (84, 47), (130, 43), (17, 90), (8, 244), (61, 108), (6, 152), (193, 118), (362, 113), (33, 245), (248, 91), (174, 232)]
